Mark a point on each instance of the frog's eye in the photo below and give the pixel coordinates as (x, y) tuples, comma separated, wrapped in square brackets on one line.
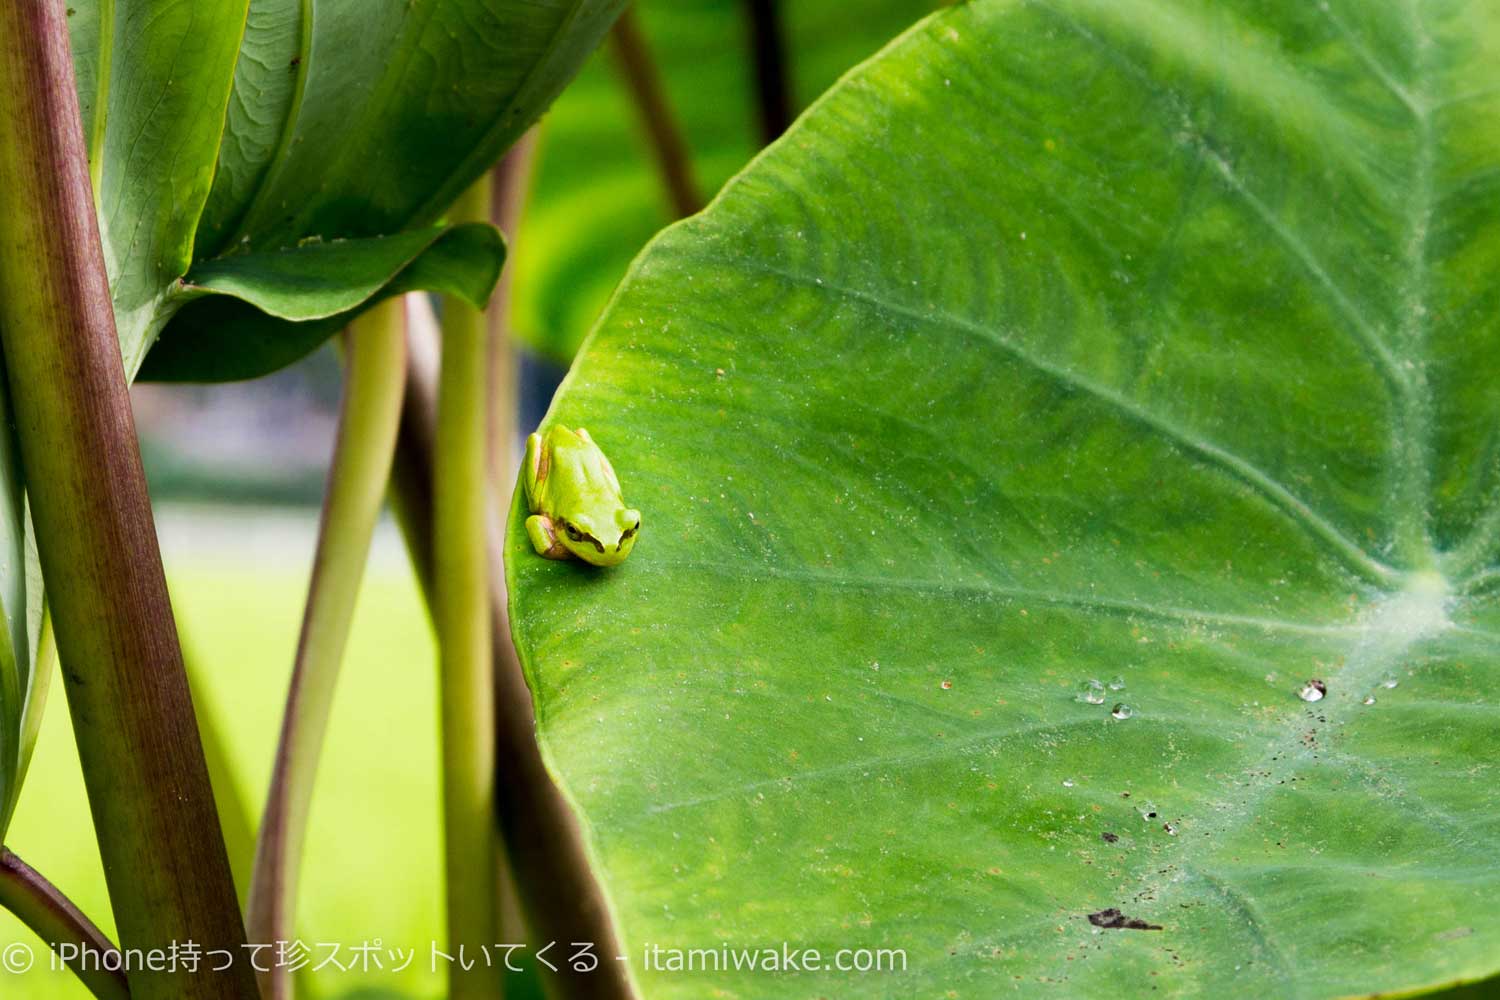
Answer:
[(573, 532)]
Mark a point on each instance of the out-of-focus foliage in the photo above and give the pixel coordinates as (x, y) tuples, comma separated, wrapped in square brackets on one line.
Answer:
[(597, 198), (238, 583)]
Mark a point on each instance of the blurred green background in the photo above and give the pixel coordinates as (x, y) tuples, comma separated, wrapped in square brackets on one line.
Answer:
[(238, 577), (597, 197)]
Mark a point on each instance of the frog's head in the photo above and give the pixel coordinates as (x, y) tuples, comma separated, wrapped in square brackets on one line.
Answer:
[(601, 540)]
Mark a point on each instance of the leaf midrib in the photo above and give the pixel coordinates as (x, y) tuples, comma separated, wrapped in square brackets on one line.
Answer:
[(1401, 622)]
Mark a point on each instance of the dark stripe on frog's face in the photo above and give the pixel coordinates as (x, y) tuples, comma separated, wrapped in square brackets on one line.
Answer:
[(591, 549), (581, 536)]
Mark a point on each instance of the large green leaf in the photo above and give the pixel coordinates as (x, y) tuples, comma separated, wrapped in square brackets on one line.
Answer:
[(1149, 339), (598, 197), (226, 128)]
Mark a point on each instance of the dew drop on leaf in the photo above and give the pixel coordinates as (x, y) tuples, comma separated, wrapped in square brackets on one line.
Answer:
[(1313, 690), (1121, 711), (1091, 692)]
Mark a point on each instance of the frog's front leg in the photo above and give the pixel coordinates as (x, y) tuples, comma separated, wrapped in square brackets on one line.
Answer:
[(544, 537)]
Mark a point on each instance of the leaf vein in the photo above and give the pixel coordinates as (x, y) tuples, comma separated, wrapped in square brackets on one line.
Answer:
[(1293, 507)]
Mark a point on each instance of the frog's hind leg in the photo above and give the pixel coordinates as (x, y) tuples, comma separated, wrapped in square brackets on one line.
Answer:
[(532, 471), (544, 537)]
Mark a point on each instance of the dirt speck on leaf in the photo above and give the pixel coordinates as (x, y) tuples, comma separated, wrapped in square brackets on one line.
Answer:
[(1110, 838), (1113, 919)]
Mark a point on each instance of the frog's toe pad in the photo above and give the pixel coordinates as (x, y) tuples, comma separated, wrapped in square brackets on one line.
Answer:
[(544, 538)]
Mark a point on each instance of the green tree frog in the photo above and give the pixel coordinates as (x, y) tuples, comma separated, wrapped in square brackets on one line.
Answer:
[(574, 498)]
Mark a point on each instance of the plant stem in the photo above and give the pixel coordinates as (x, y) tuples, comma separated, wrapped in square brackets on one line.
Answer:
[(768, 51), (43, 666), (633, 57), (559, 894), (64, 927), (376, 373), (510, 181), (234, 812), (509, 187), (148, 786), (461, 495)]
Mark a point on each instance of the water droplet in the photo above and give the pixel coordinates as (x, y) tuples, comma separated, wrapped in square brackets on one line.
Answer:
[(1121, 711), (1171, 830), (1091, 692), (1147, 811), (1313, 690), (1118, 684), (1369, 699), (1389, 681), (947, 685), (1067, 782)]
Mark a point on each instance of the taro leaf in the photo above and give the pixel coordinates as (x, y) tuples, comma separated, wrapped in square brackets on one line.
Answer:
[(395, 109), (338, 120), (597, 194), (1137, 339), (277, 306)]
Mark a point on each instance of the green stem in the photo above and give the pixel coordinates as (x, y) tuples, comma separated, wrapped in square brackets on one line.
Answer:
[(461, 496), (510, 181), (234, 812), (376, 350), (53, 917), (42, 669), (153, 807), (554, 879), (509, 186)]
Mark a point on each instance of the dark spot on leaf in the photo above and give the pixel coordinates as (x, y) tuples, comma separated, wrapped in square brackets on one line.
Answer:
[(1110, 838), (296, 61), (1113, 919)]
